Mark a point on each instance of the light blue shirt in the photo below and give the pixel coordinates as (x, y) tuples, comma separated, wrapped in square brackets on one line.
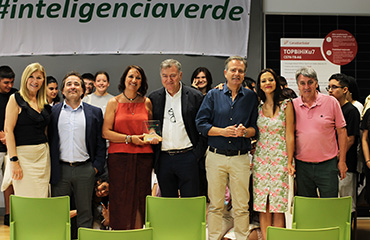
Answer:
[(72, 131)]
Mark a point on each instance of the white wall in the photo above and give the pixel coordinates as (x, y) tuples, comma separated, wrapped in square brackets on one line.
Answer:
[(327, 7)]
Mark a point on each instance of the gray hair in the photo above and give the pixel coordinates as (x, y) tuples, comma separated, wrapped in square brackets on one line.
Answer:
[(169, 63), (235, 58), (307, 72)]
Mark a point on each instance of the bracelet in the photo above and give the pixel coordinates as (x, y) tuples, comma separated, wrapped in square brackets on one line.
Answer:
[(127, 139)]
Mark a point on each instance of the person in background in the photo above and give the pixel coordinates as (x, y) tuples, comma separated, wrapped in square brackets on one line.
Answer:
[(100, 97), (6, 90), (283, 82), (52, 91), (288, 93), (26, 119), (320, 128), (89, 83), (365, 126), (202, 80), (339, 88), (130, 156), (228, 118), (353, 94), (273, 159), (249, 83)]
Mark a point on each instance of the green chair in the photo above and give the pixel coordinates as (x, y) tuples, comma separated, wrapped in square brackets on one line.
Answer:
[(312, 213), (93, 234), (176, 218), (274, 233), (39, 218)]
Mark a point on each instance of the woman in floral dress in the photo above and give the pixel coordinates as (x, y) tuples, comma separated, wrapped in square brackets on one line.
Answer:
[(274, 152)]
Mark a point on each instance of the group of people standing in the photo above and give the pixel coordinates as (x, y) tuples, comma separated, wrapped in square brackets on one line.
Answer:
[(205, 138)]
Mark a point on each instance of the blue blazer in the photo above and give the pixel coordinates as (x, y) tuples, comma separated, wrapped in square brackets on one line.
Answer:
[(96, 146)]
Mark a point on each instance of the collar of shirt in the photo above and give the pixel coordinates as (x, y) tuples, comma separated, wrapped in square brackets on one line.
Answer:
[(176, 95), (318, 101), (66, 106), (227, 91)]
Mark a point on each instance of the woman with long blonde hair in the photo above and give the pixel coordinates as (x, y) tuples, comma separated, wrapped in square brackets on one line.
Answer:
[(26, 119)]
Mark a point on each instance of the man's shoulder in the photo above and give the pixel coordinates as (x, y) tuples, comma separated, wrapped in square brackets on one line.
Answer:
[(192, 91), (91, 107), (156, 92), (349, 109)]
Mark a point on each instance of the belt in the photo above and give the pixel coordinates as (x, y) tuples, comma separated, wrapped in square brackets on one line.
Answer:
[(228, 152), (174, 152), (75, 164)]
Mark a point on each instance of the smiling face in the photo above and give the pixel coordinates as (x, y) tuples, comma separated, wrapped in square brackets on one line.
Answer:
[(133, 80), (6, 85), (51, 91), (202, 80), (35, 81), (268, 83), (101, 84), (235, 73), (171, 79), (307, 87), (72, 90)]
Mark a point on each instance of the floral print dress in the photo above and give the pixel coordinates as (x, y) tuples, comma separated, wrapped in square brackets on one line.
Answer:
[(270, 163)]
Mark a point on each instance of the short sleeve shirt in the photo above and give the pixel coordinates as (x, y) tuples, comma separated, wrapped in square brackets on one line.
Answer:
[(316, 128)]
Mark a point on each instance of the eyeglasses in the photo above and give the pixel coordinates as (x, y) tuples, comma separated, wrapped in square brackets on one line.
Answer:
[(172, 115), (332, 87)]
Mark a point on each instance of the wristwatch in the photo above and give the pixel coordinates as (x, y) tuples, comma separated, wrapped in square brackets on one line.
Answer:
[(14, 159)]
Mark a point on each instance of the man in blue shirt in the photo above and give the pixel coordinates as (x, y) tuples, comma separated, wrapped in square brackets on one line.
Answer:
[(229, 118)]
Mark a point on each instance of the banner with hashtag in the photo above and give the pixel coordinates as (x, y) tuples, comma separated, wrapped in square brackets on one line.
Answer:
[(56, 27)]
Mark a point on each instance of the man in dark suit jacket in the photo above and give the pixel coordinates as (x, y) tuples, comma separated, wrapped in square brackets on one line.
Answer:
[(77, 148), (176, 158)]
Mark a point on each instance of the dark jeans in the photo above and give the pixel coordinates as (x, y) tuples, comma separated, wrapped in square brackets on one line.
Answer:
[(322, 176), (178, 172)]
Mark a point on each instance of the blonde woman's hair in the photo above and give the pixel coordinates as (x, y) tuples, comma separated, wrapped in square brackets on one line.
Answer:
[(41, 94)]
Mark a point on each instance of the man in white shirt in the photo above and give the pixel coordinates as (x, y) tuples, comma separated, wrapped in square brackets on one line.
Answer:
[(176, 158)]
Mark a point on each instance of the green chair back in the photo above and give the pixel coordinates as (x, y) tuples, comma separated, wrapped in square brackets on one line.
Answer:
[(311, 213), (39, 218), (274, 233), (176, 218), (94, 234)]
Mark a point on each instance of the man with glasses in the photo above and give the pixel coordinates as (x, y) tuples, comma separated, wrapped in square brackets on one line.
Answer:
[(176, 158), (319, 119), (228, 117), (338, 88)]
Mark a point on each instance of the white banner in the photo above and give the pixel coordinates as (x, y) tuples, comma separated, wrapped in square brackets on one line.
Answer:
[(50, 27)]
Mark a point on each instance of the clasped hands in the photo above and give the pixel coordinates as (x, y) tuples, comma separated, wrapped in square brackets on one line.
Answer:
[(234, 131)]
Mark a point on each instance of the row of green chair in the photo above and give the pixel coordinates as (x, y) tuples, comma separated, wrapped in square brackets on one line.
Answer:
[(172, 218), (317, 218), (165, 218)]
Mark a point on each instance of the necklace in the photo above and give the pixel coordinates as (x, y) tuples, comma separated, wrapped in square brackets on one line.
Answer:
[(131, 107), (130, 99)]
